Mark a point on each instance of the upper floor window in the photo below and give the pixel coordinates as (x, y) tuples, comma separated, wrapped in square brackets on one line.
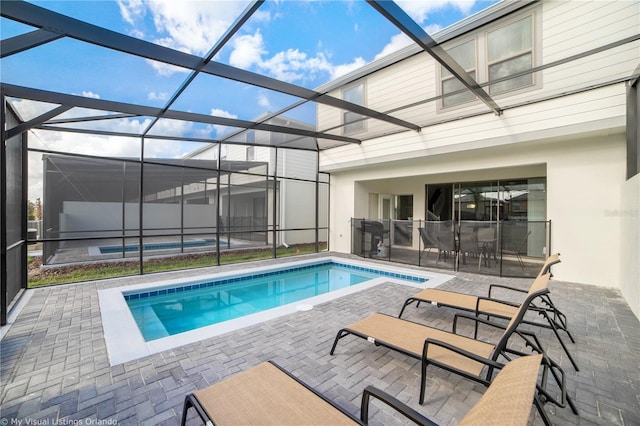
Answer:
[(510, 51), (465, 55), (352, 121), (251, 138)]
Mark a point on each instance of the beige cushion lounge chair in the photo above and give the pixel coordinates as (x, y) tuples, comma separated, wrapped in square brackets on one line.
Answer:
[(268, 395), (469, 357), (544, 306)]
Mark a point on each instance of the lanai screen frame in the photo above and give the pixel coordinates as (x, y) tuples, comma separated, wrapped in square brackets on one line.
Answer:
[(52, 26)]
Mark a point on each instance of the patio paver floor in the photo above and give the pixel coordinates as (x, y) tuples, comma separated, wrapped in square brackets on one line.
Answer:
[(54, 366)]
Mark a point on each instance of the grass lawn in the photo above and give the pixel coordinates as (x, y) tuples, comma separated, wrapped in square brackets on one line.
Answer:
[(39, 276)]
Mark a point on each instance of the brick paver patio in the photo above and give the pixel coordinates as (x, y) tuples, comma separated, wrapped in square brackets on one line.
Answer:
[(55, 369)]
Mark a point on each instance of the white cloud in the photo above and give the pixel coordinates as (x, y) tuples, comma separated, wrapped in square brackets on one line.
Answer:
[(397, 42), (189, 26), (292, 65), (343, 69), (158, 96), (130, 10), (194, 26), (289, 65), (217, 112), (247, 50), (264, 102), (90, 95), (419, 9)]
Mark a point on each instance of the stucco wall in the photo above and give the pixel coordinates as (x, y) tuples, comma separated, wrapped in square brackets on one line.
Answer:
[(629, 214), (584, 179)]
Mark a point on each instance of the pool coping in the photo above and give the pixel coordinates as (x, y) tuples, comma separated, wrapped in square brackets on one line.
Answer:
[(124, 340)]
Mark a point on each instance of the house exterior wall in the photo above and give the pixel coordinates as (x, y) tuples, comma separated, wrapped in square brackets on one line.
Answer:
[(582, 193), (576, 141), (629, 215), (297, 194)]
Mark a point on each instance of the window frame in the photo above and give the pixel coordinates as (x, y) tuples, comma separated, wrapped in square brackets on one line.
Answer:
[(442, 79), (516, 55), (482, 59), (358, 126)]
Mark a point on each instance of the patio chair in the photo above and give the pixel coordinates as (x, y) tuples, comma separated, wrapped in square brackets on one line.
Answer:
[(241, 399), (447, 245), (468, 357), (516, 249), (468, 243), (486, 245), (429, 241), (492, 307)]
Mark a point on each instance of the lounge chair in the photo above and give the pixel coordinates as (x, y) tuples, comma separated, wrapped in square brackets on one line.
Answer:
[(471, 358), (429, 241), (516, 249), (241, 399), (555, 319)]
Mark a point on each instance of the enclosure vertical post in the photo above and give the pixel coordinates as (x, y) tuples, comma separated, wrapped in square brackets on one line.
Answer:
[(182, 209), (24, 210), (317, 200), (265, 212), (218, 209), (274, 199), (124, 212), (3, 214), (140, 207)]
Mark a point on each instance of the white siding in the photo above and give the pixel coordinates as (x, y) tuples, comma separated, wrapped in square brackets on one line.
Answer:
[(569, 127), (563, 28), (597, 109)]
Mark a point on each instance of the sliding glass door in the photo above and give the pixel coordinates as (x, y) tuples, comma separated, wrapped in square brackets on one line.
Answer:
[(491, 218)]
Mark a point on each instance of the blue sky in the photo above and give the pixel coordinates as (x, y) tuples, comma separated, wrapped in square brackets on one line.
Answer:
[(307, 43), (303, 42)]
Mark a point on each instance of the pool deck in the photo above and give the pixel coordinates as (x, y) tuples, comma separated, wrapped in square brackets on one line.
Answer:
[(55, 369)]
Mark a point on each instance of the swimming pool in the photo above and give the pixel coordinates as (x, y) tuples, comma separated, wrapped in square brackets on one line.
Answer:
[(118, 248), (167, 311), (169, 327)]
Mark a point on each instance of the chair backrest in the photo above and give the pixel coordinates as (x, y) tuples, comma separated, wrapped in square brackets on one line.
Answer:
[(446, 240), (538, 288), (468, 240), (427, 239), (508, 399), (551, 260), (485, 234)]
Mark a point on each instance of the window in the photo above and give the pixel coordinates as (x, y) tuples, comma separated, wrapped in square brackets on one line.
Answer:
[(251, 150), (510, 50), (352, 121), (465, 55)]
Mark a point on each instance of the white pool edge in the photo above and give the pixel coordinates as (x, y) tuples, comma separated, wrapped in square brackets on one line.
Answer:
[(124, 340)]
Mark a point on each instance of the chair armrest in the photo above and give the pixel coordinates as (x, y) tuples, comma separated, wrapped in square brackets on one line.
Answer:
[(476, 319), (460, 351), (392, 402), (506, 287), (491, 299)]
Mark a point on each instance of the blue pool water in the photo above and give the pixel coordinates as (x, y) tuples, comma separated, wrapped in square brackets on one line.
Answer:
[(168, 311), (159, 246)]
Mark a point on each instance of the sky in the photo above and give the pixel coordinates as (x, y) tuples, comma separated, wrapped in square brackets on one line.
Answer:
[(307, 43)]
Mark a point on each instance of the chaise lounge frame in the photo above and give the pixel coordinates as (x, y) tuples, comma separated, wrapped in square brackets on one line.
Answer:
[(463, 355), (492, 307), (509, 397)]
